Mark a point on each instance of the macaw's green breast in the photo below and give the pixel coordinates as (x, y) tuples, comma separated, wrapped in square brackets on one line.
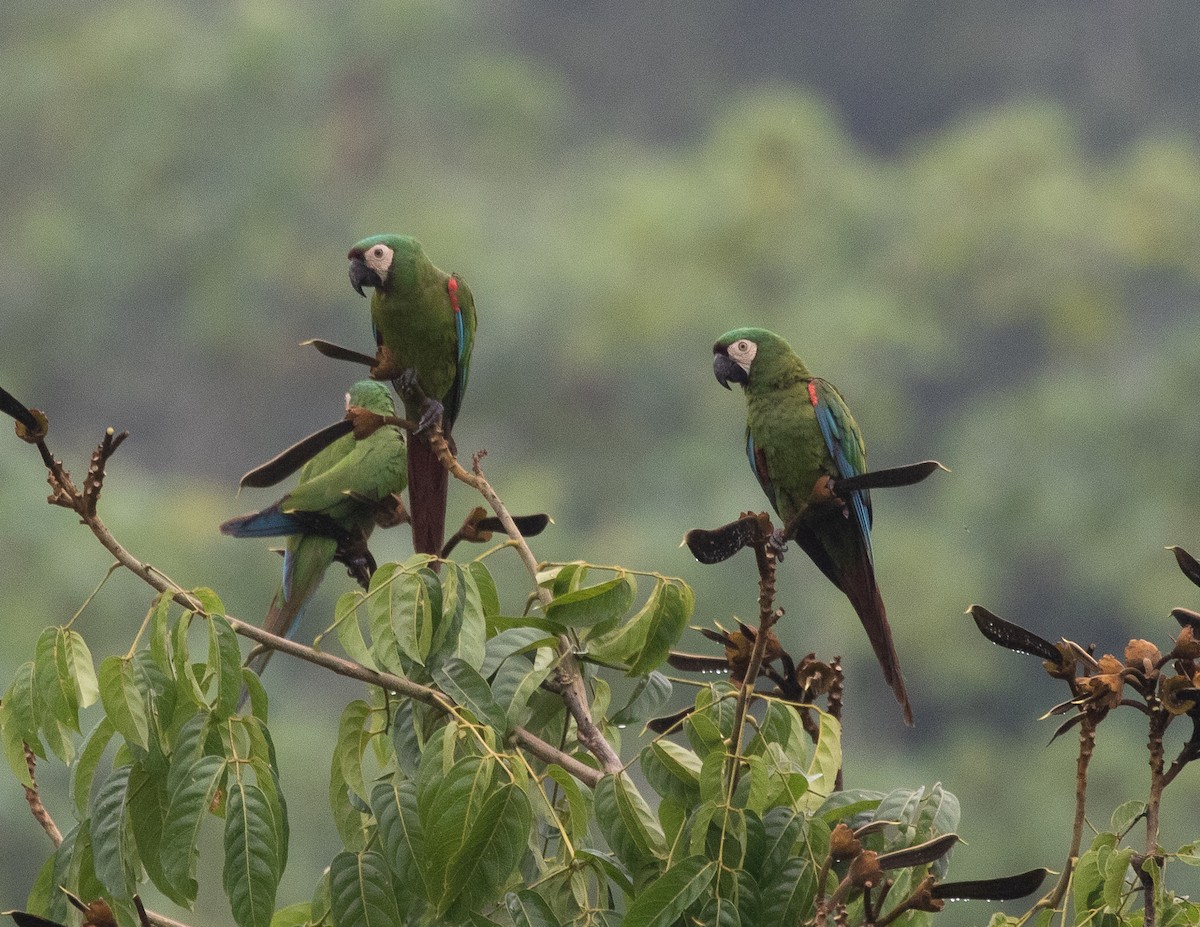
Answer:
[(784, 427), (415, 319)]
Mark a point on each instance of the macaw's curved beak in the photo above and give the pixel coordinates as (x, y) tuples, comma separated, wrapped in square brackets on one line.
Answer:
[(361, 275), (728, 370)]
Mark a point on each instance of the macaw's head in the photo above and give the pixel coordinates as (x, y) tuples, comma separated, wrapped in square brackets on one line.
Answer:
[(371, 395), (379, 260), (743, 352)]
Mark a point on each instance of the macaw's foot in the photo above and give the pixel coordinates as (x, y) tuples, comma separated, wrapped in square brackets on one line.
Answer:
[(352, 551), (385, 367), (778, 543), (431, 414), (824, 494)]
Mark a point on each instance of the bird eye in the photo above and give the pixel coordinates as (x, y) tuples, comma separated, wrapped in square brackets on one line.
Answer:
[(378, 251), (743, 346)]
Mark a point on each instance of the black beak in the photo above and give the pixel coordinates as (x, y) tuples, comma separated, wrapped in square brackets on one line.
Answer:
[(361, 275), (728, 370)]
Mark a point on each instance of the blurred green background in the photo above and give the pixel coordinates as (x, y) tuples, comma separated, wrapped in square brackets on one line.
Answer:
[(982, 221)]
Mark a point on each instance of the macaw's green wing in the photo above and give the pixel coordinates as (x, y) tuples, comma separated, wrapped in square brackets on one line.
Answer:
[(758, 463), (845, 444), (463, 304), (374, 467)]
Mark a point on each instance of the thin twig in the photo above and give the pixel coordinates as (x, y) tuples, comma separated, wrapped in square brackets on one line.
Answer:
[(40, 814), (567, 679)]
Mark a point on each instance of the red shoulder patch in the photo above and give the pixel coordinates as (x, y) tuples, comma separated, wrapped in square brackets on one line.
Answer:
[(452, 289), (812, 394)]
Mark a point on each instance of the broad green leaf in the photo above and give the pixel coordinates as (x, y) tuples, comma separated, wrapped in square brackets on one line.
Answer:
[(160, 629), (394, 804), (190, 800), (471, 691), (51, 675), (352, 740), (447, 807), (826, 761), (518, 680), (703, 734), (627, 822), (294, 915), (84, 771), (252, 854), (82, 669), (209, 601), (115, 855), (1116, 871), (529, 909), (782, 828), (648, 697), (489, 599), (672, 771), (360, 891), (225, 657), (720, 912), (189, 747), (401, 602), (621, 645), (666, 621), (492, 850), (663, 901), (1087, 883), (147, 810), (788, 898), (385, 647), (591, 605), (349, 631), (578, 804), (19, 723), (123, 702), (1124, 816), (511, 642)]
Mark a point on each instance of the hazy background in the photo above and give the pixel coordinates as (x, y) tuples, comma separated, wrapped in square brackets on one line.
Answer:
[(982, 221)]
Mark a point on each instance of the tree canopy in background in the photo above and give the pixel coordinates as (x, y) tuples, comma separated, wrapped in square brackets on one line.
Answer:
[(984, 227)]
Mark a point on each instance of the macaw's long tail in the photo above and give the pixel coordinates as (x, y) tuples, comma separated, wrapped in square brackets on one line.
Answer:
[(428, 484), (850, 569), (864, 596), (304, 565)]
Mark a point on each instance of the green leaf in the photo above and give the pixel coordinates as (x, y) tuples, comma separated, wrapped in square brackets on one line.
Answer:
[(225, 657), (471, 691), (648, 696), (210, 602), (160, 630), (489, 599), (578, 805), (627, 822), (82, 669), (84, 771), (400, 600), (52, 677), (782, 828), (788, 898), (672, 771), (349, 631), (352, 740), (447, 804), (360, 891), (826, 761), (18, 722), (593, 604), (1116, 870), (191, 797), (664, 900), (294, 915), (664, 624), (1124, 816), (1087, 884), (529, 909), (492, 850), (123, 701), (115, 855), (512, 642), (147, 814), (394, 804), (252, 854)]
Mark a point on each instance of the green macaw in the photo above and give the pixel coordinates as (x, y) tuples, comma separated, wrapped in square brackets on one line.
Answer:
[(800, 438), (332, 509), (424, 323)]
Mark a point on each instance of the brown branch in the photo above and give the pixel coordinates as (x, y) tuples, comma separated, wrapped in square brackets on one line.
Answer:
[(567, 681), (40, 814), (72, 498)]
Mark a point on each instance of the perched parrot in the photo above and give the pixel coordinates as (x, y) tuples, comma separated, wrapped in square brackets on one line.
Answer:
[(334, 503), (424, 323), (799, 436)]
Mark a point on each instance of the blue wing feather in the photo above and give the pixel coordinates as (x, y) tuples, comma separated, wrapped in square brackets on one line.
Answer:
[(271, 522), (845, 447)]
